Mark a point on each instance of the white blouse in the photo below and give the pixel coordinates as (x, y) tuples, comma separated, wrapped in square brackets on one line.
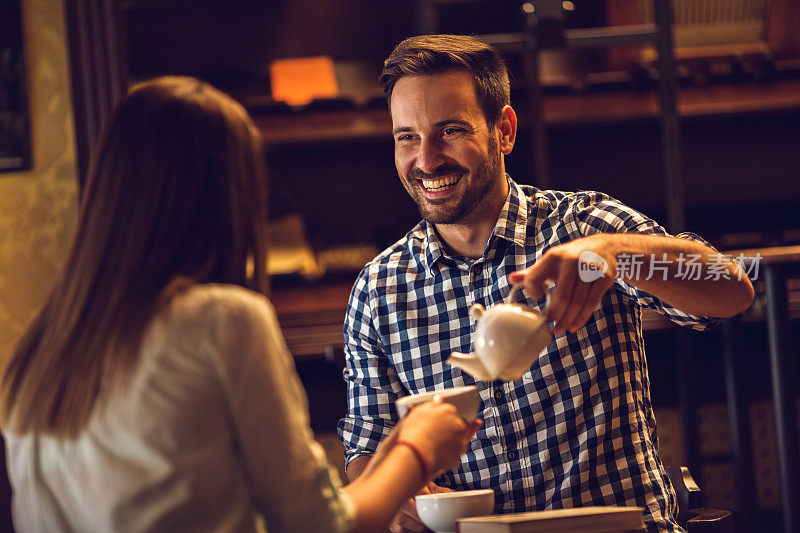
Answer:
[(212, 430)]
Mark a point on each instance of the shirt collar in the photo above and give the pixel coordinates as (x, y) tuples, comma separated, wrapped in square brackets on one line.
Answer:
[(434, 250), (511, 225), (513, 220)]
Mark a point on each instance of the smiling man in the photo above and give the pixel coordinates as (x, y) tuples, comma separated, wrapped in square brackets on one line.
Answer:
[(578, 428), (447, 157)]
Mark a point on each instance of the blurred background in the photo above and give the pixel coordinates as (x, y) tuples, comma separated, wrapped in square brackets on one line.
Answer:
[(708, 141)]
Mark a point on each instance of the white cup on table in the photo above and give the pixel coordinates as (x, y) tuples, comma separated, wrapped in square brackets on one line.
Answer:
[(440, 511)]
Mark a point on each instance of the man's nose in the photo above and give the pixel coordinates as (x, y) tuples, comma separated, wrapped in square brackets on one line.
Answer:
[(430, 155)]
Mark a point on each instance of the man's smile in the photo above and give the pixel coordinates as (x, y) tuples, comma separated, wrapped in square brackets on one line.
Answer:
[(440, 184)]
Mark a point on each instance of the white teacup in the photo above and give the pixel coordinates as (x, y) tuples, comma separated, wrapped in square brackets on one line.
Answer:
[(466, 399), (508, 339), (440, 511)]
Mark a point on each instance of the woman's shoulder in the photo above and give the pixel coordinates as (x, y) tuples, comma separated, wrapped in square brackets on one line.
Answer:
[(215, 322), (213, 302), (221, 295)]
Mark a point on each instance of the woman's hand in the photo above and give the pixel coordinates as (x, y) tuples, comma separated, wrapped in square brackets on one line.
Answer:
[(438, 432), (438, 436)]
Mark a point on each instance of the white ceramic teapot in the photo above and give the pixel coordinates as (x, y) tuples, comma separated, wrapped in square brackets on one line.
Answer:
[(508, 339)]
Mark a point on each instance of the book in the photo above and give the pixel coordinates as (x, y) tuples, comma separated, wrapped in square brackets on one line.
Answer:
[(580, 519)]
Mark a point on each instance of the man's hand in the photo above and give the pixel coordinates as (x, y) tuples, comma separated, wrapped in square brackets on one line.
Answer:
[(721, 289), (574, 300), (407, 519)]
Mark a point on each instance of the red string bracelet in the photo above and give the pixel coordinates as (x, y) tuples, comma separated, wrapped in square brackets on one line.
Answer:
[(422, 462)]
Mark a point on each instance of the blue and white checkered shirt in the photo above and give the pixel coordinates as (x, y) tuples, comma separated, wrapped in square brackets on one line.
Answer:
[(578, 428)]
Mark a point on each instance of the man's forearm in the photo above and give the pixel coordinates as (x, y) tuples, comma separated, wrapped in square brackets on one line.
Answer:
[(686, 274)]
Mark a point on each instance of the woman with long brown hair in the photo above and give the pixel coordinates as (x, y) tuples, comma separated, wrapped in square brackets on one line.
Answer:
[(154, 391)]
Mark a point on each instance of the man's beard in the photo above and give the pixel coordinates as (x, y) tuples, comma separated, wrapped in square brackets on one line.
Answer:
[(471, 205)]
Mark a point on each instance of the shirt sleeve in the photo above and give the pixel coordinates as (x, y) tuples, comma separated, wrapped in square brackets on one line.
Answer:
[(372, 384), (292, 484), (594, 213)]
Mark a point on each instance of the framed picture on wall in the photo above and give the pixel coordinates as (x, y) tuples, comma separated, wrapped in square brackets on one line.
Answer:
[(15, 143)]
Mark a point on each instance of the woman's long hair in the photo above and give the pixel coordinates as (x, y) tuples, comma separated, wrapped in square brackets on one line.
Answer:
[(176, 191)]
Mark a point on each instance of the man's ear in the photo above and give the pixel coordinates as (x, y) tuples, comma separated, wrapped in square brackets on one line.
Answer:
[(507, 126)]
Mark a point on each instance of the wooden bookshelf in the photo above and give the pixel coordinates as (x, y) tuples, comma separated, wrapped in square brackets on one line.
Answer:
[(561, 110)]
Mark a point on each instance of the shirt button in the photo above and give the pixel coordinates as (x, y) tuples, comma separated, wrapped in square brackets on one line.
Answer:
[(512, 455), (499, 394)]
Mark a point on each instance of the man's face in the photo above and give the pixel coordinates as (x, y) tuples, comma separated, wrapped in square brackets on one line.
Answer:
[(447, 158)]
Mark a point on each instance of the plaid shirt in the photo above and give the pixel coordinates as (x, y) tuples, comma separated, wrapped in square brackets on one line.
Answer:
[(578, 428)]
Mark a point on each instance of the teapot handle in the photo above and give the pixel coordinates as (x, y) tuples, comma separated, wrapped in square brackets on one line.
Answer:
[(519, 286)]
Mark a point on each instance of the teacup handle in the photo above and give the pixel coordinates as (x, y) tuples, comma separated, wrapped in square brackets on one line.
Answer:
[(519, 286)]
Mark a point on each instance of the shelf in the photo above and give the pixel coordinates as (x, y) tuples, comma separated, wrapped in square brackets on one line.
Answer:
[(562, 110), (325, 126), (312, 316), (693, 102)]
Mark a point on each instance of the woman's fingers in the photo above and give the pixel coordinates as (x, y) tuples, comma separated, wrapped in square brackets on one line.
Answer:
[(436, 427)]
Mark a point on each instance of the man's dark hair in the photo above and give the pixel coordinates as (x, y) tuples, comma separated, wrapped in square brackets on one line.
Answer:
[(435, 54)]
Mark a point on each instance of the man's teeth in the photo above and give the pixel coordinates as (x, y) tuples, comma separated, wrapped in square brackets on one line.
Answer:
[(439, 183)]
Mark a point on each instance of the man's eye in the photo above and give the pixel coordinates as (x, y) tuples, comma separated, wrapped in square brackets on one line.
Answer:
[(451, 131), (404, 138)]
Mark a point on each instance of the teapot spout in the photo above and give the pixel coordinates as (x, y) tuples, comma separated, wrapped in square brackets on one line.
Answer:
[(470, 364)]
